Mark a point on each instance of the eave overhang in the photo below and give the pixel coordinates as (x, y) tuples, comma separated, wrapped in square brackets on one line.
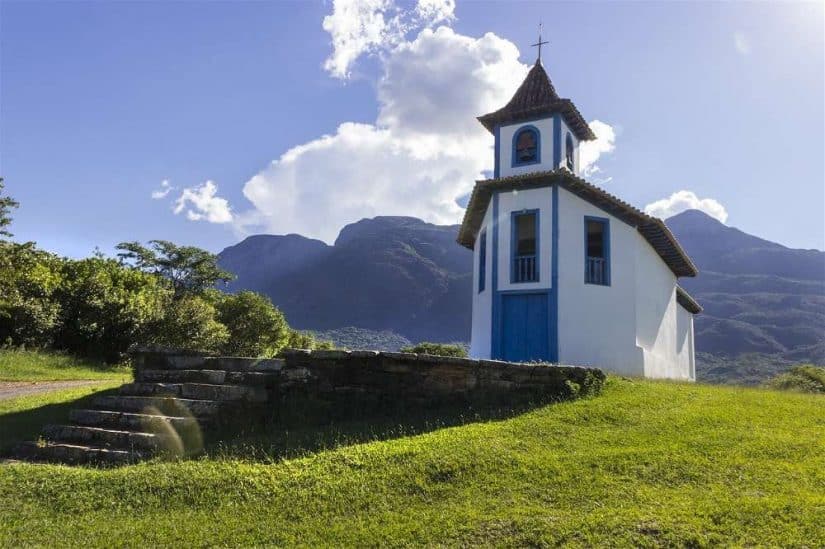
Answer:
[(651, 228), (685, 300), (565, 107)]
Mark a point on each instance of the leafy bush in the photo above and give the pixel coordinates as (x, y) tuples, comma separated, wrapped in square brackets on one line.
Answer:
[(439, 349), (804, 378), (256, 327), (163, 295)]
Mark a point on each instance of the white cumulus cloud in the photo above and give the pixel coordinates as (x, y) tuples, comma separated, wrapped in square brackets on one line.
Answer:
[(202, 203), (433, 12), (591, 151), (165, 189), (360, 27), (741, 43), (425, 150), (686, 200)]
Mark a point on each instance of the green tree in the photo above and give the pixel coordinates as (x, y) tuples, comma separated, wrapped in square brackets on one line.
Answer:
[(190, 323), (6, 205), (106, 307), (29, 310), (256, 327), (189, 270)]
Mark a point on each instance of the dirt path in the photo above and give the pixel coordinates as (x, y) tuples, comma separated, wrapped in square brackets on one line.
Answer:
[(14, 389)]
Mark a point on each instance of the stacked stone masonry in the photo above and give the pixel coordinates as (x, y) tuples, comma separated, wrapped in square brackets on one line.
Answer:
[(176, 396)]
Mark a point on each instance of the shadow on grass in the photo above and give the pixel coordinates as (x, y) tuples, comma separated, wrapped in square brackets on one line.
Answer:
[(16, 427), (273, 440)]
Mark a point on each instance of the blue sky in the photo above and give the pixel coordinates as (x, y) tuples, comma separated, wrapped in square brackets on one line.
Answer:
[(262, 117)]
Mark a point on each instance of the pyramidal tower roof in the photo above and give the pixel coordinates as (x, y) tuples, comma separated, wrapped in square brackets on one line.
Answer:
[(536, 97)]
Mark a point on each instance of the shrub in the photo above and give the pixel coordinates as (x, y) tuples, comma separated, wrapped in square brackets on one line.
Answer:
[(256, 327), (98, 307), (439, 349), (804, 378)]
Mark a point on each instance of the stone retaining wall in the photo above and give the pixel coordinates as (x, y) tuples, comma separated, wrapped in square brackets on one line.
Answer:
[(319, 385)]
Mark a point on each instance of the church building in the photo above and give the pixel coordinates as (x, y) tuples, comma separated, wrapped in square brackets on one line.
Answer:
[(564, 271)]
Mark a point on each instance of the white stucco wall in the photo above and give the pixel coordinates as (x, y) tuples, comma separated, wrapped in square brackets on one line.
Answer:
[(597, 323), (481, 330), (685, 343), (514, 201), (660, 332), (545, 128)]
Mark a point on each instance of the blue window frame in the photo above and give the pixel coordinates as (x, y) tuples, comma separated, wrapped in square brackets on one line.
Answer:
[(482, 260), (524, 246), (597, 251), (526, 146)]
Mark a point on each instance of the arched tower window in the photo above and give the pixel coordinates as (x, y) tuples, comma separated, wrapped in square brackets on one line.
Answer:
[(526, 146), (568, 152)]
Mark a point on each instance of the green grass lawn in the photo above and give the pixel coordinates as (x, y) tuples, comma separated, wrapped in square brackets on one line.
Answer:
[(645, 464), (22, 418), (47, 366)]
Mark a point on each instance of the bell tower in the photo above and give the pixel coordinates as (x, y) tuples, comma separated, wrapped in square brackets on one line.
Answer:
[(537, 130)]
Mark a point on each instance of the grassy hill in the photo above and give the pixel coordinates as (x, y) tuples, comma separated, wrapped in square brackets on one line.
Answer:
[(645, 464), (20, 365)]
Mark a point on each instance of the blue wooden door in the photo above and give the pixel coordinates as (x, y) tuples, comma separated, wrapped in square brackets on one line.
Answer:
[(524, 328)]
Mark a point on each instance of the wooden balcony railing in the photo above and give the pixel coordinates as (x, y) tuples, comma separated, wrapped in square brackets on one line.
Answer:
[(595, 271), (524, 269)]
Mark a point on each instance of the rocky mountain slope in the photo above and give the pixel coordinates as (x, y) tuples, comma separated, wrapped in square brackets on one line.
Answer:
[(387, 273), (759, 296)]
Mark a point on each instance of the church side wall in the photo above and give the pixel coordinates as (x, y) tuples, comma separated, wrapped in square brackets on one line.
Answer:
[(685, 348), (545, 128), (529, 199), (482, 301), (661, 332), (596, 323)]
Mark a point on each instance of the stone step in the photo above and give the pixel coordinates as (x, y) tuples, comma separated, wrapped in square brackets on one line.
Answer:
[(179, 376), (74, 454), (128, 421), (107, 438), (198, 391), (155, 405), (228, 364)]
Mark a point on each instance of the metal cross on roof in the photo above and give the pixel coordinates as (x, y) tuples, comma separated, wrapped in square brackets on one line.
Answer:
[(539, 43)]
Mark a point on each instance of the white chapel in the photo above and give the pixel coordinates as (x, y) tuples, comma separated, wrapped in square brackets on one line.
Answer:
[(563, 271)]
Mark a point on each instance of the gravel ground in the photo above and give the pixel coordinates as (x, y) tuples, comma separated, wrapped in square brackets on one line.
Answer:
[(14, 389)]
